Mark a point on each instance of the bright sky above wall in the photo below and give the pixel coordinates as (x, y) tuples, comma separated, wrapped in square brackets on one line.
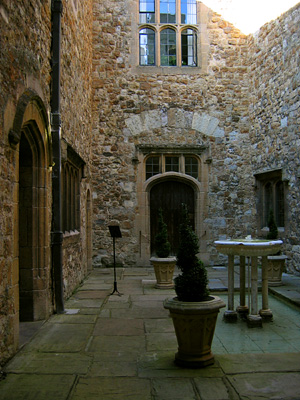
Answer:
[(249, 16)]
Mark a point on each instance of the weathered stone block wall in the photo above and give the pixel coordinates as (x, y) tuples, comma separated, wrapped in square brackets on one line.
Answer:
[(25, 62), (25, 53), (274, 113), (135, 106), (76, 111)]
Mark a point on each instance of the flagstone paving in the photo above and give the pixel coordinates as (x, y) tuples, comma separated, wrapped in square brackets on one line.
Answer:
[(112, 347)]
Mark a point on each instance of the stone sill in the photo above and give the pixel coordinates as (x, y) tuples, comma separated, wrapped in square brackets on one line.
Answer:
[(157, 70)]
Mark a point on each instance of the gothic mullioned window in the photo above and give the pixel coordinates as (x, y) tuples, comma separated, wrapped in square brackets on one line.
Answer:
[(168, 33), (72, 171), (271, 196), (185, 164), (70, 191)]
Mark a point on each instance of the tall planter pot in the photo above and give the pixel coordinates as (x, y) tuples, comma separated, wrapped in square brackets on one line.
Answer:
[(276, 266), (164, 271), (194, 324)]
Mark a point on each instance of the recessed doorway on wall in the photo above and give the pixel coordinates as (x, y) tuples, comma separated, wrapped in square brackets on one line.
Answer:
[(169, 195), (34, 269), (25, 230)]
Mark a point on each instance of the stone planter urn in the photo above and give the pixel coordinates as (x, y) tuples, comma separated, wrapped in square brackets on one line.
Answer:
[(194, 324), (276, 266), (164, 271)]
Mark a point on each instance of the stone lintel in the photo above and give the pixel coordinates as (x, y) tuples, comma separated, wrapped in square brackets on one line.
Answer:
[(174, 149)]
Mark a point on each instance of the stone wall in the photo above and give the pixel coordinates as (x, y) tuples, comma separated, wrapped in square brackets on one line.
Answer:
[(274, 112), (241, 104), (25, 62), (165, 106), (76, 111), (25, 72)]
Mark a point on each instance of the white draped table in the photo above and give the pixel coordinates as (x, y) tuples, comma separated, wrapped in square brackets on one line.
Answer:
[(252, 248)]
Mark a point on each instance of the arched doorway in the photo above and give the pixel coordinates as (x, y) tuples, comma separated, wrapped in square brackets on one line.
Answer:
[(169, 195), (26, 259), (34, 264)]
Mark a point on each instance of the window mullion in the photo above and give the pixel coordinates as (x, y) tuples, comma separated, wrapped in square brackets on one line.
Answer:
[(181, 164), (157, 11), (163, 164), (178, 43), (178, 7), (178, 34)]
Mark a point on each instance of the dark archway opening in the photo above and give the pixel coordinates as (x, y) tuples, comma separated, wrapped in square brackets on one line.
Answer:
[(169, 195), (25, 230)]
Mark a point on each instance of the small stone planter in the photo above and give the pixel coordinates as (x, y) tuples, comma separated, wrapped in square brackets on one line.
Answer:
[(276, 266), (164, 271)]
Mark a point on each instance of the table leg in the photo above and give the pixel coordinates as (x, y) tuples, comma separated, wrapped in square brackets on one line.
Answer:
[(254, 319), (230, 315), (265, 312), (242, 309)]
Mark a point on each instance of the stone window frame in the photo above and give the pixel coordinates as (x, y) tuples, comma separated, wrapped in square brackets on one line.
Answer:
[(162, 154), (178, 28), (271, 194), (72, 173)]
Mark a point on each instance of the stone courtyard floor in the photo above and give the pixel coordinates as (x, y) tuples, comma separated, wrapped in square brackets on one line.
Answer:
[(122, 347)]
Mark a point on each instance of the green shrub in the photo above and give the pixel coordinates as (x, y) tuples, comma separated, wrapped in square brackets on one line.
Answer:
[(192, 283)]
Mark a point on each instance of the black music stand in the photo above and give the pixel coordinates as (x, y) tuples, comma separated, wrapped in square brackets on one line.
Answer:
[(115, 233)]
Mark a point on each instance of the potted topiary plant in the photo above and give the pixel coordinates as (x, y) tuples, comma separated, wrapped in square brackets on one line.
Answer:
[(194, 311), (276, 263), (163, 265)]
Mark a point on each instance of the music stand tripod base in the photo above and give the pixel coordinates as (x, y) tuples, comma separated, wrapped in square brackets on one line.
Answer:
[(116, 290)]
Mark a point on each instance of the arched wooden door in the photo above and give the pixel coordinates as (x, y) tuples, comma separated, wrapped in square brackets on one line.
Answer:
[(27, 260), (34, 266), (169, 195)]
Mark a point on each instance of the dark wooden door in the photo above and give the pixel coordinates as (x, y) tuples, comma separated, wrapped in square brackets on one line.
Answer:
[(169, 195)]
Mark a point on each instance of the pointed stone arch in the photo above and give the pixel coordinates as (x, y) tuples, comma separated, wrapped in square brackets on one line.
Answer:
[(30, 137), (30, 107), (168, 194)]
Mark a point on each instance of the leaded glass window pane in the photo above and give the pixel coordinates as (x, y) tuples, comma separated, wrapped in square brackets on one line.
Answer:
[(189, 48), (172, 164), (152, 166), (147, 11), (167, 11), (191, 166), (147, 47), (168, 47), (188, 12)]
